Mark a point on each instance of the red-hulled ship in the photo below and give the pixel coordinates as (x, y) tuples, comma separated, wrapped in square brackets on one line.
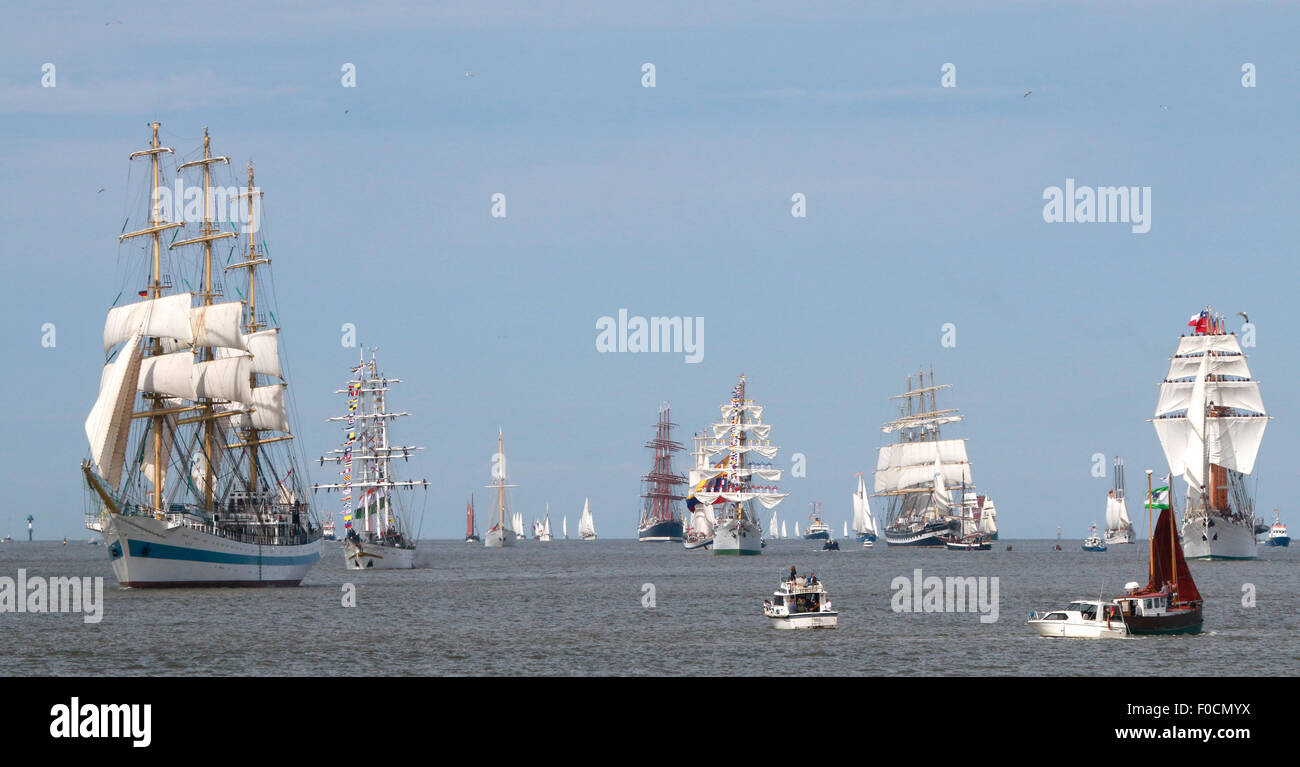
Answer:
[(1170, 603)]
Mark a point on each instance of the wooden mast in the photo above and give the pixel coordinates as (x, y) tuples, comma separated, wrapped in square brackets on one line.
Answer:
[(501, 503), (1151, 534)]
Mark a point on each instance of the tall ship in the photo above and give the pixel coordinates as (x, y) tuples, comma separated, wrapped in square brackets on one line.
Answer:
[(383, 538), (817, 529), (501, 534), (661, 512), (1210, 419), (1119, 529), (919, 472), (697, 531), (864, 524), (586, 524), (725, 478), (471, 529), (193, 473)]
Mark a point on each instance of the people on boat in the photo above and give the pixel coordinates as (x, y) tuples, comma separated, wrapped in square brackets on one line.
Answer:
[(793, 576)]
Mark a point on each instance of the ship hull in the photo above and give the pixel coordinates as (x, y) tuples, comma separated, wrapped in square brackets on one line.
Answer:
[(930, 537), (737, 540), (1120, 535), (1280, 540), (1217, 537), (862, 537), (372, 556), (146, 554), (498, 539), (669, 531), (817, 535), (1179, 622)]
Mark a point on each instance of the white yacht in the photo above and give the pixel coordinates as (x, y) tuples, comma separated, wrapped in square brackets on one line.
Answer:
[(801, 604), (1082, 619)]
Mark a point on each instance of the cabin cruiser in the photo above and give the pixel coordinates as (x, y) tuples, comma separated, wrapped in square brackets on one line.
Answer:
[(1082, 619), (801, 603)]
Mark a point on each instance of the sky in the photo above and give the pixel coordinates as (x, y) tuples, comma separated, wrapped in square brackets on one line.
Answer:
[(924, 207)]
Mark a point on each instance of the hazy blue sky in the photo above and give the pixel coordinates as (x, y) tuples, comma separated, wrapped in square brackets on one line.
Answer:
[(924, 207)]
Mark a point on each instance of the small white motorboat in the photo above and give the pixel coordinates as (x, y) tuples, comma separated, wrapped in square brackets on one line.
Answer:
[(1082, 619), (801, 604)]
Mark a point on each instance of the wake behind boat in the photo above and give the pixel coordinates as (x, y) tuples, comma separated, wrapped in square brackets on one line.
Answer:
[(191, 472)]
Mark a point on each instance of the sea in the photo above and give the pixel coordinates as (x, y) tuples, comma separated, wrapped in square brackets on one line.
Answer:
[(624, 608)]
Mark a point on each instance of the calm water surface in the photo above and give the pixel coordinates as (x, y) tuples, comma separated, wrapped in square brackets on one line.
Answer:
[(575, 608)]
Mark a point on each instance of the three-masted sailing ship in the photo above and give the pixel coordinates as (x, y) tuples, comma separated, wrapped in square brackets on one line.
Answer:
[(191, 470), (501, 534), (919, 473), (661, 517), (1119, 528), (384, 540), (1210, 419), (724, 478)]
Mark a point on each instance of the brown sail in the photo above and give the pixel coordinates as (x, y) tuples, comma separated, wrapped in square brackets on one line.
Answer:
[(1167, 562)]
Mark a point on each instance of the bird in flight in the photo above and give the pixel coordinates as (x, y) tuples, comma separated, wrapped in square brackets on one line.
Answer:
[(1027, 94), (100, 190), (1243, 316), (468, 73)]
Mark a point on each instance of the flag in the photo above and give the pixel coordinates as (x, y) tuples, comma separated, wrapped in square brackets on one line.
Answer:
[(1159, 499), (1201, 322)]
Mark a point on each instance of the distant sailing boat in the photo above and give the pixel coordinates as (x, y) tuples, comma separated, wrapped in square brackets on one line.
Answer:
[(1210, 419), (471, 530), (783, 530), (517, 524), (1170, 603), (864, 524), (586, 525), (385, 540), (198, 388), (499, 535), (546, 526), (564, 525), (661, 514), (1119, 529)]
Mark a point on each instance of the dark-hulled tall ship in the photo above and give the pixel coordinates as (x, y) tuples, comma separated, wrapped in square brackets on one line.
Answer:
[(661, 517)]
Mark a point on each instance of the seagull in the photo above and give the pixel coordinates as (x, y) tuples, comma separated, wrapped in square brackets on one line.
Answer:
[(1162, 106), (1244, 317), (468, 73), (345, 111), (102, 189), (1027, 94)]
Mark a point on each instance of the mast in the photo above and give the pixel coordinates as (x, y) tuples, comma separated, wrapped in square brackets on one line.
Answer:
[(1151, 534), (661, 483), (501, 498)]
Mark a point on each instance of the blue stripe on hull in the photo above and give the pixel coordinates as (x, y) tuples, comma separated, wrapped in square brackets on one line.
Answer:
[(163, 551)]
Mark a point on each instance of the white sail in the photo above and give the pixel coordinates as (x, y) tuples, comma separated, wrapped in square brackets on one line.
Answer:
[(1121, 513), (988, 518), (224, 378), (784, 534), (109, 422), (862, 520), (546, 526), (171, 374), (911, 464), (264, 345), (772, 525), (564, 525), (218, 325), (586, 525), (167, 317), (846, 529), (1112, 512), (796, 529), (701, 522)]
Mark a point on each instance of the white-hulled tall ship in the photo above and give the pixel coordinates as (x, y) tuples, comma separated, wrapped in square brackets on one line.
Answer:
[(384, 540), (1210, 419), (726, 485), (661, 515), (1119, 529), (501, 534), (864, 524), (193, 479)]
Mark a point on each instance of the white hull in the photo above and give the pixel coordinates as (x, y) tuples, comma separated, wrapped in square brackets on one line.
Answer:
[(1223, 540), (496, 539), (1120, 535), (1078, 630), (822, 620), (145, 552), (702, 543), (731, 538), (372, 556)]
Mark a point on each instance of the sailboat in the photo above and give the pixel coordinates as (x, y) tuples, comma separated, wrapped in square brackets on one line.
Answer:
[(546, 526), (383, 540), (1210, 419), (846, 529), (196, 387), (586, 525), (564, 525), (1119, 529), (864, 524), (471, 530), (796, 530), (773, 526), (661, 513), (1170, 603), (784, 534), (916, 472), (500, 534)]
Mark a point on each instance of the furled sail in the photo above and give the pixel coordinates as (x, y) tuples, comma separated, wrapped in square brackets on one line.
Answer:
[(109, 423)]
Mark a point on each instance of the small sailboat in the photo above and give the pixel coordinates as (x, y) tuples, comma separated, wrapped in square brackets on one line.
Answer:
[(546, 526), (864, 523), (1094, 542), (500, 535), (471, 530), (586, 525), (784, 534), (1170, 603), (564, 526), (846, 528), (796, 529)]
